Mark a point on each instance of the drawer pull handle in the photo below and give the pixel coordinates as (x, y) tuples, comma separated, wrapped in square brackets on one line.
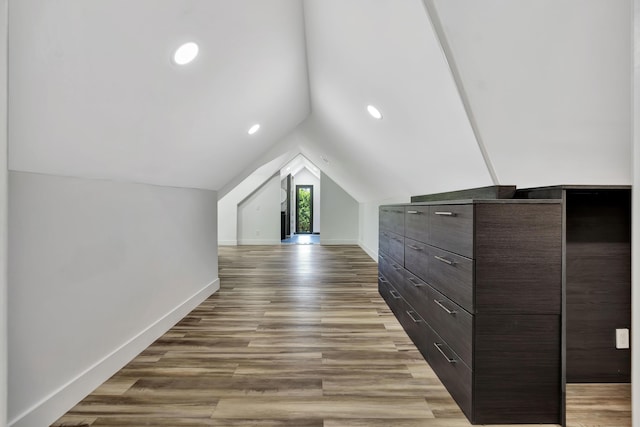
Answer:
[(413, 318), (395, 294), (413, 212), (453, 313), (439, 347), (382, 279), (446, 261), (416, 284), (415, 248), (444, 213), (381, 257), (396, 267)]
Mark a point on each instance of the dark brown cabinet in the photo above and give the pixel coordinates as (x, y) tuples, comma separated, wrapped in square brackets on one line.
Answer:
[(597, 278), (417, 223), (477, 287)]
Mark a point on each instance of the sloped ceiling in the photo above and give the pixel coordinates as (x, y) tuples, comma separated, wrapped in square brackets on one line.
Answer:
[(544, 86), (93, 92), (549, 85), (385, 53)]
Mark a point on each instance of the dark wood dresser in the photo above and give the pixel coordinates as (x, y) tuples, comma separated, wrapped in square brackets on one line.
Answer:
[(476, 284)]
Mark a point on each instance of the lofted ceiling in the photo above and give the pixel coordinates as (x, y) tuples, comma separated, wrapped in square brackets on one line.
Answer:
[(549, 84), (94, 93), (473, 93), (386, 53), (465, 90)]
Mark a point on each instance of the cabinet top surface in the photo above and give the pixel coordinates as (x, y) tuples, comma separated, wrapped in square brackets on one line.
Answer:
[(481, 201), (579, 187)]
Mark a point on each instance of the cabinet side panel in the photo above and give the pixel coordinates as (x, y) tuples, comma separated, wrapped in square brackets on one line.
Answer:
[(518, 258), (517, 369)]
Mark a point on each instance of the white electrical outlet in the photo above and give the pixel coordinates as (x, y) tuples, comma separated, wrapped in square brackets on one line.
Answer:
[(622, 338)]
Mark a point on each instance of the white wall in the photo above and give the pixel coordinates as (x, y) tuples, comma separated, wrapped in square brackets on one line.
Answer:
[(259, 215), (304, 177), (3, 212), (228, 209), (227, 222), (97, 271), (283, 186), (340, 215), (635, 245), (228, 204)]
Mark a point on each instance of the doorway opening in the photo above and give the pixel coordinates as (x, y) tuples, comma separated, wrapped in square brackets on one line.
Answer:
[(301, 211), (304, 209)]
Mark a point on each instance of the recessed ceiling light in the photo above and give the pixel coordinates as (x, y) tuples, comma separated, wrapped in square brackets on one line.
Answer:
[(375, 113), (253, 129), (185, 53)]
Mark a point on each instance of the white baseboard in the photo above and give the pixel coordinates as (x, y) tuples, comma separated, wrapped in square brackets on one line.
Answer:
[(227, 243), (55, 405), (259, 242), (338, 241), (373, 254)]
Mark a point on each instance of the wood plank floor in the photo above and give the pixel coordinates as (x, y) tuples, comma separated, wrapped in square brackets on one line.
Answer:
[(598, 405), (296, 336)]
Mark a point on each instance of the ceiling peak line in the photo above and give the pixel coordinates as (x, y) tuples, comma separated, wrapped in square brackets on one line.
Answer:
[(306, 55), (436, 25)]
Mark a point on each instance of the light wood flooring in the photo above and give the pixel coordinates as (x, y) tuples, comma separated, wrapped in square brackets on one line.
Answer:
[(599, 405), (296, 336)]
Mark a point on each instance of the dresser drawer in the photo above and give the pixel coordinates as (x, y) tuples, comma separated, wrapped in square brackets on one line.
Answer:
[(390, 269), (384, 289), (451, 228), (416, 327), (392, 219), (390, 295), (455, 376), (452, 323), (393, 245), (416, 223), (452, 275), (416, 293), (383, 241), (416, 258)]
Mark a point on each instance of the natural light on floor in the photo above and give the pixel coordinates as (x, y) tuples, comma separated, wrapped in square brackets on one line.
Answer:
[(303, 239)]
